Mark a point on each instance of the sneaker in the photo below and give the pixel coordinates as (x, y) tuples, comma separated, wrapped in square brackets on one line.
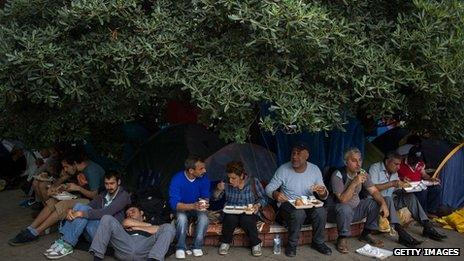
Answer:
[(180, 254), (24, 237), (224, 249), (197, 252), (256, 250), (53, 246), (61, 250)]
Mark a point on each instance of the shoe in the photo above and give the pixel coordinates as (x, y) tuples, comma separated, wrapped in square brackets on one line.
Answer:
[(180, 254), (322, 248), (371, 241), (197, 252), (256, 250), (24, 237), (53, 246), (224, 249), (431, 233), (60, 251), (290, 251), (342, 245), (405, 239)]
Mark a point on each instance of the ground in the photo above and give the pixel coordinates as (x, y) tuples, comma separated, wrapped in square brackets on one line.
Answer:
[(15, 218)]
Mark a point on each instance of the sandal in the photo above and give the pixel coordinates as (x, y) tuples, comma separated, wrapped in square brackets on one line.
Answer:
[(342, 245)]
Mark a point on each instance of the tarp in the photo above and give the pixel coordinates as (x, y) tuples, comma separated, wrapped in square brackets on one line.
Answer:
[(165, 152), (257, 161), (326, 148), (452, 179)]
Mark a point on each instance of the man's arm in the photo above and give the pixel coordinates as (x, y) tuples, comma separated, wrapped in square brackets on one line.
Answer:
[(375, 193), (275, 183), (87, 193), (134, 224), (344, 195), (387, 185)]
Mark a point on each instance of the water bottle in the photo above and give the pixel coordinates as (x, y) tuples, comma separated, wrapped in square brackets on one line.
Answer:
[(277, 245)]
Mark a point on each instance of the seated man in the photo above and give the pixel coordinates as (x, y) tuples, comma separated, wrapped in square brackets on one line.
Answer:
[(413, 169), (86, 188), (86, 218), (295, 179), (135, 239), (385, 178), (347, 184), (189, 198)]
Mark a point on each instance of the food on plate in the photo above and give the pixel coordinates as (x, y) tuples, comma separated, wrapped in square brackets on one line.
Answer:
[(299, 202), (405, 184)]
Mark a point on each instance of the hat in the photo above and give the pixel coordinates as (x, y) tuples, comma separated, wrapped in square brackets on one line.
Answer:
[(301, 145)]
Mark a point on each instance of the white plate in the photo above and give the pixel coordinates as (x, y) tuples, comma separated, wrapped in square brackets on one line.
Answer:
[(312, 203), (430, 183), (416, 186), (236, 210), (65, 196)]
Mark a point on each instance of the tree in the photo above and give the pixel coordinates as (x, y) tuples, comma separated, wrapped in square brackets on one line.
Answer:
[(74, 69)]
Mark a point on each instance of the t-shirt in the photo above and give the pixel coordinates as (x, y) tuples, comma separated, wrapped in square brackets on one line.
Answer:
[(94, 174), (186, 191), (380, 175), (414, 174), (293, 184), (338, 187)]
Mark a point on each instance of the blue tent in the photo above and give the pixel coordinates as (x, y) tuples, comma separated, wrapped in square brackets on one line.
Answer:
[(451, 173)]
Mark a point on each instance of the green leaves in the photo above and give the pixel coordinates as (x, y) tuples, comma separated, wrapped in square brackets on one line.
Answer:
[(85, 65)]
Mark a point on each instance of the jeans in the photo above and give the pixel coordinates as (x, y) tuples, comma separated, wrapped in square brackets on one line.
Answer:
[(182, 224), (72, 230), (295, 218)]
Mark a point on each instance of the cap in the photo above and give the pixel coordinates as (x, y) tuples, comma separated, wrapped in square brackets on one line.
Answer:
[(301, 145)]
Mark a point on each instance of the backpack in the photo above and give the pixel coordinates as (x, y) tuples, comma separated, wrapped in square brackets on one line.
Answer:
[(154, 206)]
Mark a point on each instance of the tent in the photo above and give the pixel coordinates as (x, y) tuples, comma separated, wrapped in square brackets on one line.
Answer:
[(451, 173), (165, 152), (258, 161)]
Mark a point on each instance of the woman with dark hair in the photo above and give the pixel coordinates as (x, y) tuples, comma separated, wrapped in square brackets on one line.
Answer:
[(413, 169), (241, 190)]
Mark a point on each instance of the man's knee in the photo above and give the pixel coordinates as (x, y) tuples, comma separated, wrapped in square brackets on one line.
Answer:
[(181, 219), (167, 229), (298, 216), (343, 210), (320, 214), (108, 220), (81, 207)]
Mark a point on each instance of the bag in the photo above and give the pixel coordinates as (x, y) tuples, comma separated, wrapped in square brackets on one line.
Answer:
[(266, 213), (155, 208)]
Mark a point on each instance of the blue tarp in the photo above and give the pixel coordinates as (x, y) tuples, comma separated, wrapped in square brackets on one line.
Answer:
[(452, 177), (327, 149)]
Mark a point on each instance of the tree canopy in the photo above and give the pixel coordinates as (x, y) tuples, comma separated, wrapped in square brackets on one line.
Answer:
[(73, 69)]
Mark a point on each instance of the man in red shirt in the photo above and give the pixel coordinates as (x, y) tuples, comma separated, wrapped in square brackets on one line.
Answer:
[(413, 169)]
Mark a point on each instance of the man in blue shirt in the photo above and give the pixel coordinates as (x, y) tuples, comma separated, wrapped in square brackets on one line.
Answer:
[(189, 198)]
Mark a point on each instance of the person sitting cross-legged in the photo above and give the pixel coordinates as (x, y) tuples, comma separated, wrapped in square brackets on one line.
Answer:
[(135, 239), (86, 218)]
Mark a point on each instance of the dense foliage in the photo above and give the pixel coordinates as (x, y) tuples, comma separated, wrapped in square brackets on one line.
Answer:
[(74, 69)]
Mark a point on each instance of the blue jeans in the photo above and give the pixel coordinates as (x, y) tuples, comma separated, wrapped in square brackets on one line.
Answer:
[(72, 230), (430, 199), (200, 229)]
